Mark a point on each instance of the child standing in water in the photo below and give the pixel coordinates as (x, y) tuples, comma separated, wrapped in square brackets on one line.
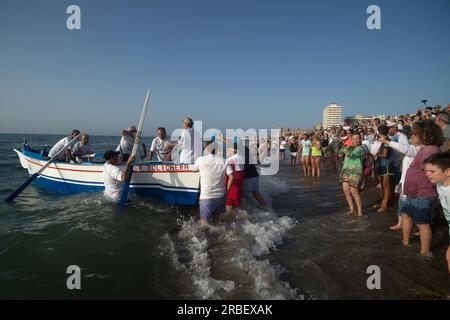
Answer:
[(437, 169), (293, 148), (282, 148), (316, 156), (237, 163), (306, 154)]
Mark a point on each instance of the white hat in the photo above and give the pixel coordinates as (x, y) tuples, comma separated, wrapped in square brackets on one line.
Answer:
[(390, 123)]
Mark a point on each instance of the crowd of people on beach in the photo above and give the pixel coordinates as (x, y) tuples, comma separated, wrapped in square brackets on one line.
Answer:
[(407, 156)]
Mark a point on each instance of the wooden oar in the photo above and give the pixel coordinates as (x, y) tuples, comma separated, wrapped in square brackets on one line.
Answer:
[(33, 177), (137, 140)]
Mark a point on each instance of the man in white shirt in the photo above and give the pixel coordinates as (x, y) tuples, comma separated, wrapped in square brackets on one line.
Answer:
[(190, 142), (82, 149), (113, 176), (401, 138), (63, 156), (212, 171), (125, 146), (160, 146)]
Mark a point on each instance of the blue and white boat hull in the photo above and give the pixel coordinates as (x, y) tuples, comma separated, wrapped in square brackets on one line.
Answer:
[(175, 184)]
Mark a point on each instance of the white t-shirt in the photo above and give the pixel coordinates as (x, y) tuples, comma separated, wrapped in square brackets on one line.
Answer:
[(79, 150), (238, 161), (113, 184), (283, 144), (444, 197), (159, 146), (58, 146), (397, 156), (191, 145), (212, 171), (126, 145)]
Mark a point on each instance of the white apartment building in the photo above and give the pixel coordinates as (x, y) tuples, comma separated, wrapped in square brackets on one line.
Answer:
[(332, 115)]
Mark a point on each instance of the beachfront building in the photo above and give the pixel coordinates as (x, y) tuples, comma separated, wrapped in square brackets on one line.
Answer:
[(332, 116), (358, 118)]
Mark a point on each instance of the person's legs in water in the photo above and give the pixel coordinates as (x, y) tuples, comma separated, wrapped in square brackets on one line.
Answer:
[(317, 160), (303, 165), (386, 191), (357, 197), (293, 159), (313, 166), (401, 202), (447, 256), (308, 165), (259, 198), (407, 226), (346, 188), (425, 238)]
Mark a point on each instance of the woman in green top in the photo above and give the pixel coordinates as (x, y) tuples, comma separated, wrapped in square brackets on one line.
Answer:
[(352, 173)]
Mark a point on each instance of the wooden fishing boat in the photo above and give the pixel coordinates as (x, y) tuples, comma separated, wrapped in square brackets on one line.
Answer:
[(174, 184)]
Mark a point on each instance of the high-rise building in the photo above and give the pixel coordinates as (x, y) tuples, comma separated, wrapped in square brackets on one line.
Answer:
[(332, 115)]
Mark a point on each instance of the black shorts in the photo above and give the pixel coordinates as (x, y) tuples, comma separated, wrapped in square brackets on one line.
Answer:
[(386, 170)]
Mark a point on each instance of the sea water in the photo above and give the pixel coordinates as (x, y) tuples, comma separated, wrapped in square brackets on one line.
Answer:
[(302, 247)]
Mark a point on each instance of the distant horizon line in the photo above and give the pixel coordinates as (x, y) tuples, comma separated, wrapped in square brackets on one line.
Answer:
[(63, 135)]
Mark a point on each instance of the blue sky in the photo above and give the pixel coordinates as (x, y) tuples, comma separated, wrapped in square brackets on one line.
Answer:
[(247, 63)]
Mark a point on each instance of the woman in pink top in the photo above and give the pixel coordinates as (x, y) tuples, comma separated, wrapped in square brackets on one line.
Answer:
[(420, 193)]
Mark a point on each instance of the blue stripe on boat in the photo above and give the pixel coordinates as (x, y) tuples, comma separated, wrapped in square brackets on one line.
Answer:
[(167, 194), (171, 197)]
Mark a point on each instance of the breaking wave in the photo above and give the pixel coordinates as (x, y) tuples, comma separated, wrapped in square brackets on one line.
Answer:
[(232, 260)]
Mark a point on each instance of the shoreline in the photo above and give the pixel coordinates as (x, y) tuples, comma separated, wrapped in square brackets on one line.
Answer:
[(327, 252)]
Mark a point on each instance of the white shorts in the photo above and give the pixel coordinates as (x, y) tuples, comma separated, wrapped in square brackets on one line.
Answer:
[(293, 154)]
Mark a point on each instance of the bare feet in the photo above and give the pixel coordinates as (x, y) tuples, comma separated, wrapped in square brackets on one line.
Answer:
[(396, 227), (376, 206), (349, 212), (382, 209), (428, 254), (405, 243)]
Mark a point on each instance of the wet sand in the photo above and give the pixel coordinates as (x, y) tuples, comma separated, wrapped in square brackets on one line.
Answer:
[(327, 253)]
